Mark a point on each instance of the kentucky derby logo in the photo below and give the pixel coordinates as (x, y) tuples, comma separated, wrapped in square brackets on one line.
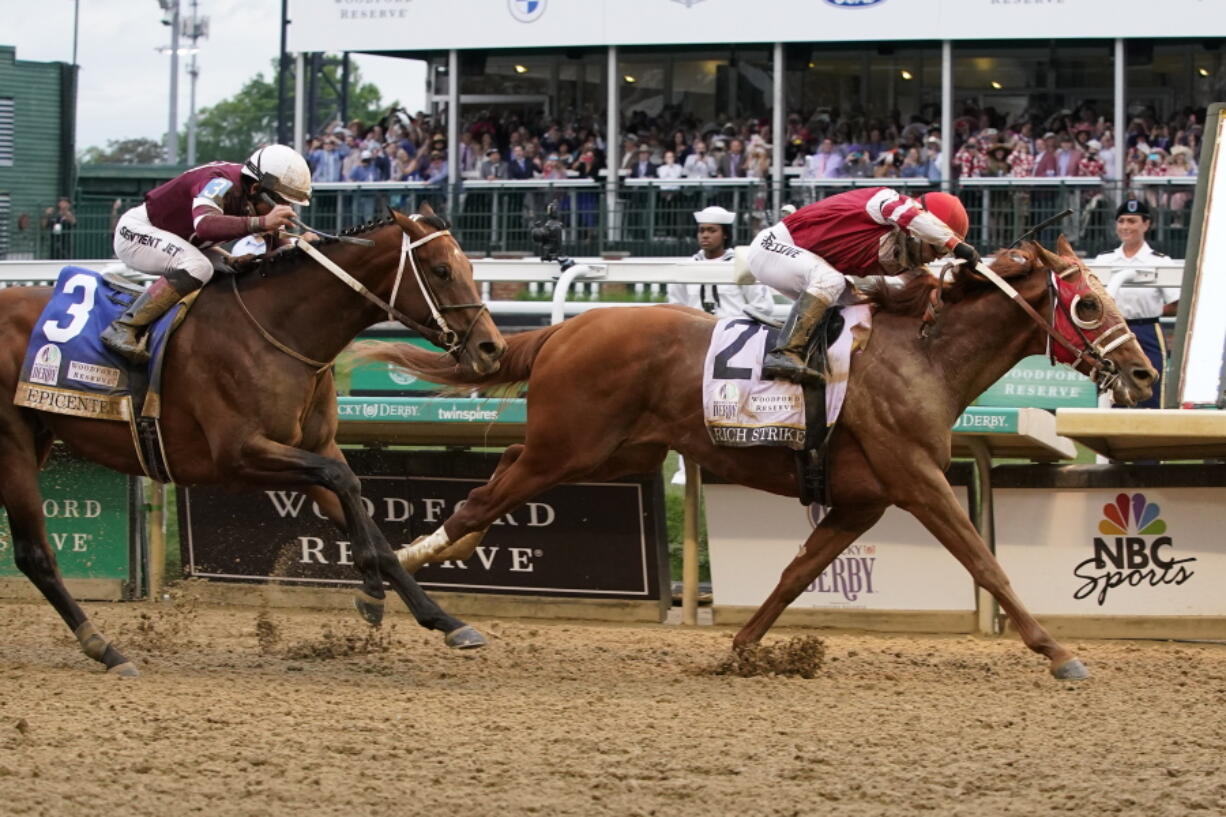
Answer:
[(854, 4), (849, 576), (46, 368), (526, 11), (1132, 551)]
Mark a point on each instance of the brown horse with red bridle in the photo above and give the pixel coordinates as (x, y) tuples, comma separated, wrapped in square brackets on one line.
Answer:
[(249, 400), (611, 391)]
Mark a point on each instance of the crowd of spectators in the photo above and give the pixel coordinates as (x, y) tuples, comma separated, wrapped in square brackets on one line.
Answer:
[(822, 144)]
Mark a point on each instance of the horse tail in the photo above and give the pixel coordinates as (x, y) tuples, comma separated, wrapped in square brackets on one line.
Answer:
[(515, 365)]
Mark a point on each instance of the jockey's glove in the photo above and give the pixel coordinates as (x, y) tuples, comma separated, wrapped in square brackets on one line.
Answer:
[(967, 253)]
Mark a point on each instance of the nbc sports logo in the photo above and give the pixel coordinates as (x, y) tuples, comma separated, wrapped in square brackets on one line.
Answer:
[(1132, 551), (526, 11), (1131, 515)]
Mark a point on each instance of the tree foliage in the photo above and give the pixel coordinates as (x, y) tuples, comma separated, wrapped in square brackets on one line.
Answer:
[(234, 127), (138, 151)]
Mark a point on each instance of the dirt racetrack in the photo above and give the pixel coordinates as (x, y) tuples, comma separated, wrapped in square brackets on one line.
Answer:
[(249, 712)]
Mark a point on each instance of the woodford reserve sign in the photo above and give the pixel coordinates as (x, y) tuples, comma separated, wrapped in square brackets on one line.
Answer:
[(595, 540)]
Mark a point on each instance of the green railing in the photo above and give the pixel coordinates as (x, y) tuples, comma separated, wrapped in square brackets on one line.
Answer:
[(653, 217)]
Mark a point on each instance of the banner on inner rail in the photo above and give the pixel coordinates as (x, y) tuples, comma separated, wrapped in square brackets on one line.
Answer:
[(404, 25), (589, 540)]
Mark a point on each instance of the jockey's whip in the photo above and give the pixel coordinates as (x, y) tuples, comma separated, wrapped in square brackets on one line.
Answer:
[(344, 239), (1045, 223)]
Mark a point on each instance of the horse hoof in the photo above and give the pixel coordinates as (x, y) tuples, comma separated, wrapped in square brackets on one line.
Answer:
[(1071, 670), (125, 670), (369, 608), (465, 638)]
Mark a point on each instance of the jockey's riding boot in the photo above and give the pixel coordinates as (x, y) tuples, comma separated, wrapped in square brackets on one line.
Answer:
[(121, 335), (787, 359)]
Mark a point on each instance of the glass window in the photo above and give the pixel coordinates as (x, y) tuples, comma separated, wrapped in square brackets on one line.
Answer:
[(864, 82), (1005, 82), (1168, 77), (708, 86)]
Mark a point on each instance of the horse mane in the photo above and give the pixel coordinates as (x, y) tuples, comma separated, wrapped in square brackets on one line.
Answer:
[(913, 298), (279, 260)]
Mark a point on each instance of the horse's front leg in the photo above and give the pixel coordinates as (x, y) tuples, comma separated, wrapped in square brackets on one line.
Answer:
[(930, 500), (842, 526), (264, 461)]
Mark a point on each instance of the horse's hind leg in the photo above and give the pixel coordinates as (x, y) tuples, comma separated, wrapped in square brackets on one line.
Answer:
[(19, 493), (842, 526)]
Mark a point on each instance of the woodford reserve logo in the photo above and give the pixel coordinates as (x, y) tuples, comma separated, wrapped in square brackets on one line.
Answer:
[(394, 510), (1132, 551)]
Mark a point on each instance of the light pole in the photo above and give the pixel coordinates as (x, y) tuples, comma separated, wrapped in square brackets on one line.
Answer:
[(171, 7), (194, 28)]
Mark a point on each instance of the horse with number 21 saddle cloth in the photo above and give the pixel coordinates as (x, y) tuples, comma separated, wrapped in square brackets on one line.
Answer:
[(67, 369)]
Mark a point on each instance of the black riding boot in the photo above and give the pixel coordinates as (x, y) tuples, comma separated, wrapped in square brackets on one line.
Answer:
[(121, 335), (787, 359)]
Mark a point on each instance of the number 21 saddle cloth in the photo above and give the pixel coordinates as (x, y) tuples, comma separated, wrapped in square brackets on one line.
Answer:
[(742, 409)]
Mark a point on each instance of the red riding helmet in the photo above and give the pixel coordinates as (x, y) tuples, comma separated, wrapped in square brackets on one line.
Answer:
[(948, 208)]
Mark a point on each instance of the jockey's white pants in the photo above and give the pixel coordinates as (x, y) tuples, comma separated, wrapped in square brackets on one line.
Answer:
[(775, 260), (155, 251)]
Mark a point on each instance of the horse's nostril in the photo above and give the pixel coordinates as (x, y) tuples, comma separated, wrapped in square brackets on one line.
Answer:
[(491, 349), (1142, 375)]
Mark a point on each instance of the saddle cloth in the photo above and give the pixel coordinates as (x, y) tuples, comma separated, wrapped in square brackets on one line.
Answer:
[(742, 409), (67, 370)]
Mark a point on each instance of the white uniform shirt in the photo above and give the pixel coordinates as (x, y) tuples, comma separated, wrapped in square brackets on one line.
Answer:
[(730, 299), (1138, 302)]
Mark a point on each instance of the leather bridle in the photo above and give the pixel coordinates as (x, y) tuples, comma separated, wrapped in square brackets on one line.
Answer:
[(1092, 354), (441, 335)]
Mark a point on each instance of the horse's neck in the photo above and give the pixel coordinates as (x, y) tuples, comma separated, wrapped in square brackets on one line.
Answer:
[(979, 341), (309, 309)]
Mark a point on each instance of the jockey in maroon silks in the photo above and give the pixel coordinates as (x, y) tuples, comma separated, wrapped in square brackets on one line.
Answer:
[(174, 233), (866, 231)]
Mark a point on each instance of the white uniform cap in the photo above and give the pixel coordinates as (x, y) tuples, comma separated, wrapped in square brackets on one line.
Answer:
[(714, 215)]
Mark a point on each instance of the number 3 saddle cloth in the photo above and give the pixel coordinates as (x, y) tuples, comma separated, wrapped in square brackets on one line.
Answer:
[(742, 409), (67, 370)]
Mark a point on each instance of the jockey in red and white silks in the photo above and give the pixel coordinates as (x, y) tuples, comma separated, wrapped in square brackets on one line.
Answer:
[(866, 231)]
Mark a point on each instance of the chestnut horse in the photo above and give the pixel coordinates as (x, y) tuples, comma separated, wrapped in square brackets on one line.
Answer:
[(249, 400), (611, 391)]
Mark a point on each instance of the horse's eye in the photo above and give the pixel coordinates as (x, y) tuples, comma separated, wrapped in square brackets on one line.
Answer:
[(443, 271), (1088, 312)]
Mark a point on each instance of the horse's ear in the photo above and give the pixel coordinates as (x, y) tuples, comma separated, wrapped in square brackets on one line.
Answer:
[(405, 222), (1064, 248), (426, 209), (1048, 258)]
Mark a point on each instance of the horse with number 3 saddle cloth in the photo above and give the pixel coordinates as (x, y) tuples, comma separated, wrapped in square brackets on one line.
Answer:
[(68, 370), (742, 409)]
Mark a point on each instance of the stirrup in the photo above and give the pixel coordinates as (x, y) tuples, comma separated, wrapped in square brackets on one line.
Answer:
[(134, 352), (778, 366)]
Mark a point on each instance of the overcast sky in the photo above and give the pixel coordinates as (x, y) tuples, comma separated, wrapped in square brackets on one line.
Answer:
[(125, 84)]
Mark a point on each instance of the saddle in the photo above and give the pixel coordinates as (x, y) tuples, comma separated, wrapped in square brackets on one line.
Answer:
[(67, 370)]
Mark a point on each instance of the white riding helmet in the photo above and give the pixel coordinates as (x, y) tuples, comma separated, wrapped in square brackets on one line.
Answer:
[(279, 169)]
